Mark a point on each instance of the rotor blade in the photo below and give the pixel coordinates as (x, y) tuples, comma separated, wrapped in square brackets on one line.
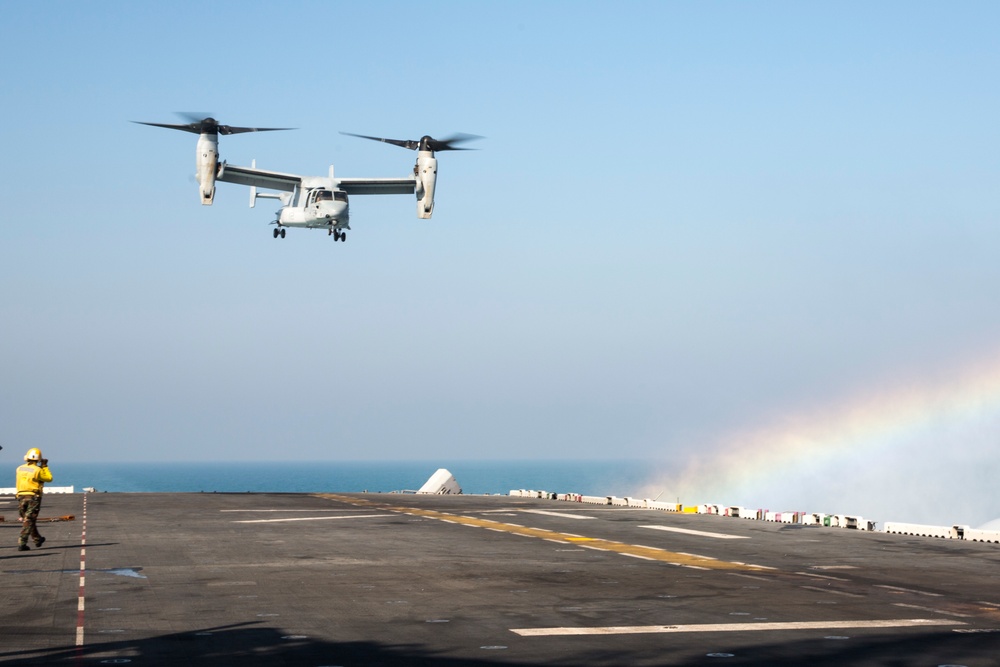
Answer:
[(448, 144), (404, 143), (424, 143), (229, 129), (194, 116), (210, 125), (193, 127)]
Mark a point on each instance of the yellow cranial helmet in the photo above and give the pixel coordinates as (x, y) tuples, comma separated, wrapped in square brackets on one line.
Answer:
[(34, 454)]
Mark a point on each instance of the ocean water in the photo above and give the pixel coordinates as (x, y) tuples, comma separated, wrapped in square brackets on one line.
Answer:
[(620, 478)]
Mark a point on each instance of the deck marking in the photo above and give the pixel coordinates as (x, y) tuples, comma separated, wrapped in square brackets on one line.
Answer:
[(702, 533), (287, 510), (932, 610), (909, 590), (80, 606), (750, 576), (830, 590), (596, 543), (732, 627), (561, 514), (312, 518), (759, 567), (821, 576)]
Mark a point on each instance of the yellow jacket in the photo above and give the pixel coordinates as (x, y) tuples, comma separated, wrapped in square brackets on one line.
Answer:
[(31, 478)]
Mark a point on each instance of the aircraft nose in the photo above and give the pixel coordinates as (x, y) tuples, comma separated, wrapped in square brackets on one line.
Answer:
[(334, 210)]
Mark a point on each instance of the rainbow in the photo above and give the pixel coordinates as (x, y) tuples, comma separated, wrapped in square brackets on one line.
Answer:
[(877, 425)]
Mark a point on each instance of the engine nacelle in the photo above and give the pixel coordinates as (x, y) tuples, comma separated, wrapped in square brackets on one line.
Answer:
[(426, 173), (207, 163)]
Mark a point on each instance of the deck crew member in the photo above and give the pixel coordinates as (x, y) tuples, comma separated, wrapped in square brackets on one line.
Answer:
[(31, 478)]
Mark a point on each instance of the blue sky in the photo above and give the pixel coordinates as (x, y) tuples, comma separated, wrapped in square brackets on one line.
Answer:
[(685, 220)]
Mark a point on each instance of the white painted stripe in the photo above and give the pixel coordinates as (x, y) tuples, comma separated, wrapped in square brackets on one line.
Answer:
[(316, 518), (637, 556), (821, 576), (83, 579), (932, 610), (702, 533), (748, 576), (562, 514), (908, 590), (286, 510), (763, 567), (732, 627)]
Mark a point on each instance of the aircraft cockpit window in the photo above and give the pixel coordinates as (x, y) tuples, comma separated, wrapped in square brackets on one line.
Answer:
[(324, 195), (340, 196)]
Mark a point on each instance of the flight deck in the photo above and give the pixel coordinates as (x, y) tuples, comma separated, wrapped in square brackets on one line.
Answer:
[(399, 579)]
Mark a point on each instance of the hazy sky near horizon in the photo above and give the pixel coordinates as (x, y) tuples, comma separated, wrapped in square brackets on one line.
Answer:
[(686, 221)]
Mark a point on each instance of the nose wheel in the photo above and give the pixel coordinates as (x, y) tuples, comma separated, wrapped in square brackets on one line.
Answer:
[(338, 235), (279, 232)]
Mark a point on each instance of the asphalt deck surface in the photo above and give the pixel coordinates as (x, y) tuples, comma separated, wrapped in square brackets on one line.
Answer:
[(385, 579)]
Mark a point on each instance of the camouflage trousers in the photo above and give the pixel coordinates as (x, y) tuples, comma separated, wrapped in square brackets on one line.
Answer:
[(27, 508)]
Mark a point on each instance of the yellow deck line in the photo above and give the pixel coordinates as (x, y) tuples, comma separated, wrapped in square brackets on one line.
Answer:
[(650, 553)]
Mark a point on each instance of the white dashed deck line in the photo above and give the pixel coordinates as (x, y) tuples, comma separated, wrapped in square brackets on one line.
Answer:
[(564, 515), (701, 533)]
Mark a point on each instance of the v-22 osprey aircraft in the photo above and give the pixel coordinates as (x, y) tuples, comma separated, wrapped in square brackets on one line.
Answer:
[(312, 202)]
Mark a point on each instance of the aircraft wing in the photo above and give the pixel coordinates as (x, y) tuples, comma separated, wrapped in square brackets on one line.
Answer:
[(378, 186), (271, 180)]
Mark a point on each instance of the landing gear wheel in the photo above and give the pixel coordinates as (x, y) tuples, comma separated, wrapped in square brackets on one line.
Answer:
[(282, 233), (275, 232)]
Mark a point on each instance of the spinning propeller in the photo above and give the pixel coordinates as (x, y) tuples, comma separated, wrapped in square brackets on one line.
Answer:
[(209, 125), (425, 143)]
